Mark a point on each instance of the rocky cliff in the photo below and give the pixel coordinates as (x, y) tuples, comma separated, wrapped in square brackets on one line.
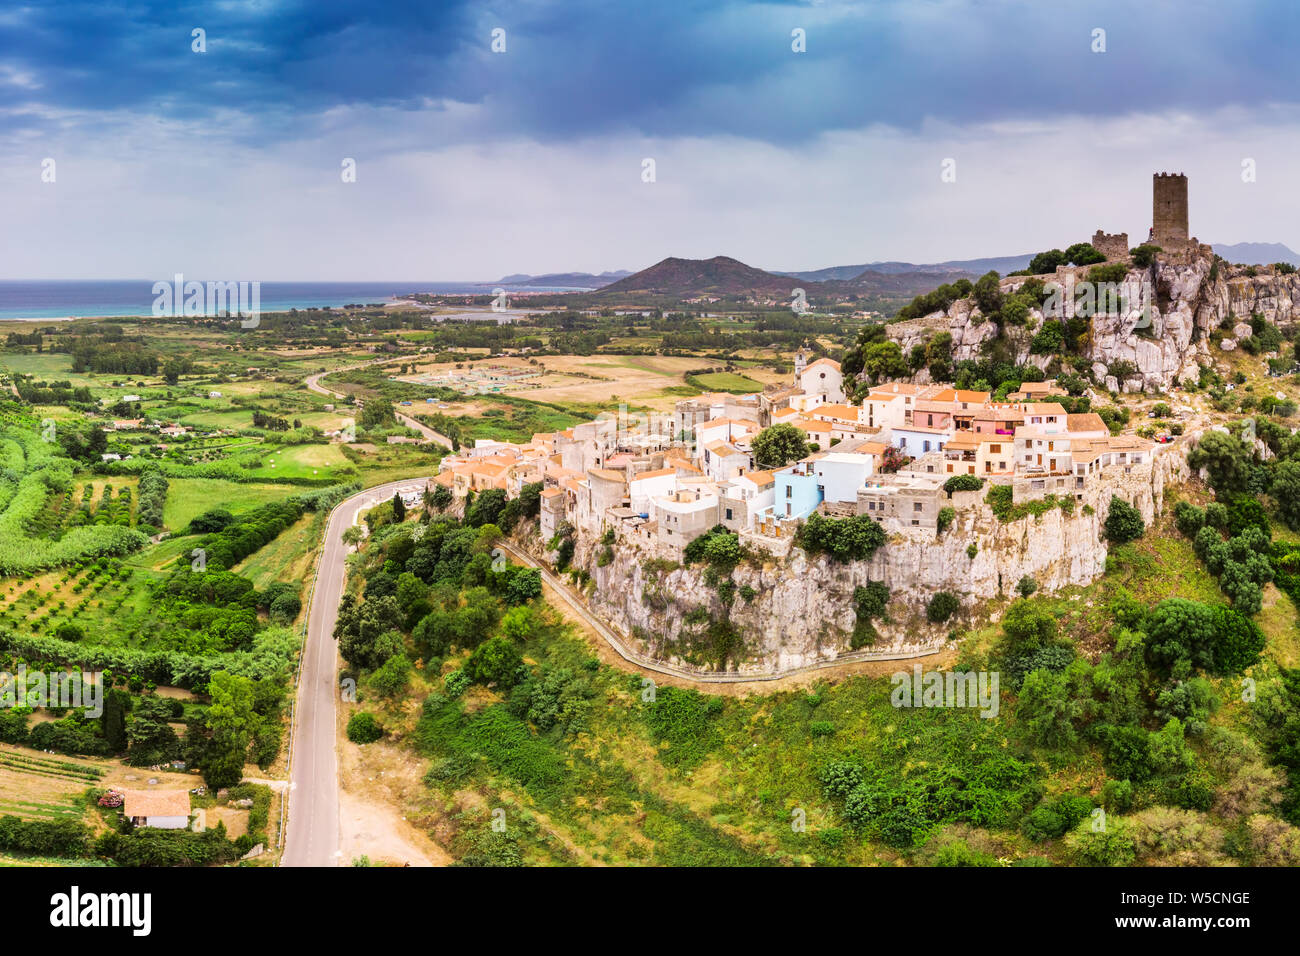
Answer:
[(1193, 302), (802, 610)]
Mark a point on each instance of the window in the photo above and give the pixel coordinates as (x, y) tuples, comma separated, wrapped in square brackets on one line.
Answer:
[(728, 514), (789, 491), (995, 449), (916, 506)]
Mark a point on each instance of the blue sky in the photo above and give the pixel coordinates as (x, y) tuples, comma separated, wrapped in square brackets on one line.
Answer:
[(472, 163)]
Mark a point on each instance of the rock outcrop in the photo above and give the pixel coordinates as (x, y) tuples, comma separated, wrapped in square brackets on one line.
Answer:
[(802, 609), (1190, 296)]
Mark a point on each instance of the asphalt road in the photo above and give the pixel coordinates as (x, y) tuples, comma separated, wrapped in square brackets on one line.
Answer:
[(313, 383), (312, 832)]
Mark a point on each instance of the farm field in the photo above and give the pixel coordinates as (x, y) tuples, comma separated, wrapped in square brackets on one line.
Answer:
[(189, 497), (316, 461)]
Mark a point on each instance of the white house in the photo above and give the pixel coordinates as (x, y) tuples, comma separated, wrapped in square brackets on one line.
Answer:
[(161, 809), (722, 460), (723, 429), (821, 378), (917, 440), (648, 485), (841, 474)]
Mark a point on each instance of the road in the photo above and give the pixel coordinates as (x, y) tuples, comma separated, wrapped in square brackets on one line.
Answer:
[(313, 383), (312, 833)]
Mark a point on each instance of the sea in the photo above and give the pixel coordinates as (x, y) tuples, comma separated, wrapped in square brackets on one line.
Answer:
[(80, 298)]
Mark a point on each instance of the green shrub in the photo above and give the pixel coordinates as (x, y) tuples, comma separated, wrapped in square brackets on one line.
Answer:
[(363, 728), (1124, 522), (941, 607)]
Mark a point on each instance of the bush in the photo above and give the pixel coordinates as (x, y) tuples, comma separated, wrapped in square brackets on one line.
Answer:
[(941, 607), (946, 517), (1026, 586), (1124, 522), (844, 539), (963, 483), (1189, 518), (363, 728)]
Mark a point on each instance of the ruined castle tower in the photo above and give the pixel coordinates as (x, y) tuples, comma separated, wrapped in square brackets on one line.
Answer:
[(1169, 210)]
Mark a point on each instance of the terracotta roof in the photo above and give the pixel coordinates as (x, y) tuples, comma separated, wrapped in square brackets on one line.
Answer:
[(1045, 408), (809, 425), (845, 412), (872, 448), (552, 492), (659, 473), (1087, 422), (823, 361), (156, 803), (897, 388), (608, 474), (760, 478)]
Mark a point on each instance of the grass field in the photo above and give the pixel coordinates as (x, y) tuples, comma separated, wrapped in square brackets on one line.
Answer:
[(289, 557), (726, 382), (189, 497), (303, 461)]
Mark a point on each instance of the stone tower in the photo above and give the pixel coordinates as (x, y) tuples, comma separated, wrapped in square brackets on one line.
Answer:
[(800, 363), (1169, 210)]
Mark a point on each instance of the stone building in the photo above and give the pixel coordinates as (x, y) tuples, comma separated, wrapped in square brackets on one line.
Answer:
[(1111, 245), (1169, 211)]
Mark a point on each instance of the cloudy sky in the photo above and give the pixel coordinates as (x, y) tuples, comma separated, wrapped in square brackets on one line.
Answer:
[(472, 163)]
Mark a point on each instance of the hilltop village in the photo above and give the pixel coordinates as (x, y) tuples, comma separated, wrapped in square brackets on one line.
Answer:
[(662, 482)]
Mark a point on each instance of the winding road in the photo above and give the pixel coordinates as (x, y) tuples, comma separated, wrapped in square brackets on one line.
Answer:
[(313, 383), (312, 833)]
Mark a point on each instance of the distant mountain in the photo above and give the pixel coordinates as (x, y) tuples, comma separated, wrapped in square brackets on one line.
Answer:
[(720, 275), (893, 284), (954, 268), (577, 280), (1257, 253)]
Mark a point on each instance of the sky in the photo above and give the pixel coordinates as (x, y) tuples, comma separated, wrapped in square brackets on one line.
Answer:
[(922, 130)]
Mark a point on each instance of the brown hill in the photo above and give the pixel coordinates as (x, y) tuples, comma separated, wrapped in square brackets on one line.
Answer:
[(720, 275)]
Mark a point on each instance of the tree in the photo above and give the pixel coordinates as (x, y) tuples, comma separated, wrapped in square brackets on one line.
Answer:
[(941, 607), (399, 508), (1048, 709), (884, 360), (1226, 460), (352, 534), (1124, 522), (778, 445), (1046, 262), (988, 294), (1286, 492), (232, 722), (363, 728), (377, 414), (495, 661), (149, 735), (487, 508), (1181, 636)]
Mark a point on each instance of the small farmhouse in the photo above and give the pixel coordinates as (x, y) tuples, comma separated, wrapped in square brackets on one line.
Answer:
[(163, 809)]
